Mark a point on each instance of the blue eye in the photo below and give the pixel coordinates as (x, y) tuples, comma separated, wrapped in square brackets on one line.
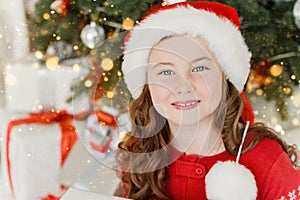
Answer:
[(199, 69), (167, 72)]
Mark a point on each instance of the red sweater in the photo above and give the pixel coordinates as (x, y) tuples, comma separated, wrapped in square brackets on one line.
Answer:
[(275, 176)]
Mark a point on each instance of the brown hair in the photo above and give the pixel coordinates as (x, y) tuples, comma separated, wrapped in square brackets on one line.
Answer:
[(151, 184)]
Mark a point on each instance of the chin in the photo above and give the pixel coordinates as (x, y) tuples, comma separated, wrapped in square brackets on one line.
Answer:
[(191, 120)]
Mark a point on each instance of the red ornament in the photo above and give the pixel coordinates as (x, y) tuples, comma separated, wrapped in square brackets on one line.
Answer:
[(248, 114), (61, 6), (97, 90), (259, 74)]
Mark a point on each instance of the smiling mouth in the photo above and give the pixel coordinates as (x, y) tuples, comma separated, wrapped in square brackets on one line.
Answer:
[(185, 105)]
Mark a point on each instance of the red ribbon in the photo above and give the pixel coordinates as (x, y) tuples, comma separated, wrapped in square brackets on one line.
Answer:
[(50, 197), (68, 131)]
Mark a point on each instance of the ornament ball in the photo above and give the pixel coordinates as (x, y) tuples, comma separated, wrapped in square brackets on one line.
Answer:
[(92, 34)]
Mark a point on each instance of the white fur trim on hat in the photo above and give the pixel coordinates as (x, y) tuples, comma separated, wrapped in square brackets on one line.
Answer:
[(168, 2), (223, 37)]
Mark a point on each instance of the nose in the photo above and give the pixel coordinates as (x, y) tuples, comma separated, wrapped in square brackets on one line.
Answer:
[(183, 86)]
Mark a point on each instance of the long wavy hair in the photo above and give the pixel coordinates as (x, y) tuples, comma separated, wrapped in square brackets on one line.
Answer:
[(146, 138)]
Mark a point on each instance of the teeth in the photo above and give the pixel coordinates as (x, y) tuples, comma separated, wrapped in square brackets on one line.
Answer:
[(187, 104)]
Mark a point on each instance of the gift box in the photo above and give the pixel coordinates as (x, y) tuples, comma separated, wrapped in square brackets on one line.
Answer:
[(89, 174), (95, 170), (33, 150), (74, 193), (34, 88)]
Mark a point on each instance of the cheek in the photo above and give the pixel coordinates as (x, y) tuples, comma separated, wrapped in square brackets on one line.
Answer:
[(159, 97), (215, 91), (159, 94), (212, 89)]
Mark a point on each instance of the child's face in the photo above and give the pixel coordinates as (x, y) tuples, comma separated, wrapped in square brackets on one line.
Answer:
[(185, 80)]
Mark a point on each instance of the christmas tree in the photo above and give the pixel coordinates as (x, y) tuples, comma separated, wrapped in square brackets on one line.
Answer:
[(271, 29)]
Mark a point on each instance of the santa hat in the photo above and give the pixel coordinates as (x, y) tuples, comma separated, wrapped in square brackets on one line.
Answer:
[(216, 23)]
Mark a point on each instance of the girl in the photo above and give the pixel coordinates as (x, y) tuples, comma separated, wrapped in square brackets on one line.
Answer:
[(186, 66)]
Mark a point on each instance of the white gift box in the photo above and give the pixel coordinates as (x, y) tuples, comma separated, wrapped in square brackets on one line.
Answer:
[(32, 88), (89, 174), (35, 158), (76, 194)]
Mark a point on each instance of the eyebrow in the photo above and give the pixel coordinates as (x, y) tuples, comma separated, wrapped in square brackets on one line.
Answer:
[(163, 63), (201, 58), (172, 64)]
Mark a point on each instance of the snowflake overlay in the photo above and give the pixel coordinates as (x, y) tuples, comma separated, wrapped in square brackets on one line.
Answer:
[(292, 195)]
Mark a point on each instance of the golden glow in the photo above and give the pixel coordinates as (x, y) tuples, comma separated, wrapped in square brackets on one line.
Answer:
[(274, 120), (88, 83), (268, 81), (119, 73), (52, 62), (295, 121), (259, 92), (107, 64), (44, 32), (105, 79), (76, 67), (278, 128), (38, 54), (75, 47), (276, 70), (110, 94), (93, 52), (46, 16), (287, 90), (127, 24), (296, 100)]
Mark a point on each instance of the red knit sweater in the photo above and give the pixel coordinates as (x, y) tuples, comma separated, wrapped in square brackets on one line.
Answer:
[(275, 176)]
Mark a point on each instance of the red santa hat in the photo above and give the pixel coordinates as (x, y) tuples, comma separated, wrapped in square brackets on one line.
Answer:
[(216, 23)]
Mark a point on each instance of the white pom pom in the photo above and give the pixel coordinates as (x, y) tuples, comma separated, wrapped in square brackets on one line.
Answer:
[(168, 2), (230, 181)]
